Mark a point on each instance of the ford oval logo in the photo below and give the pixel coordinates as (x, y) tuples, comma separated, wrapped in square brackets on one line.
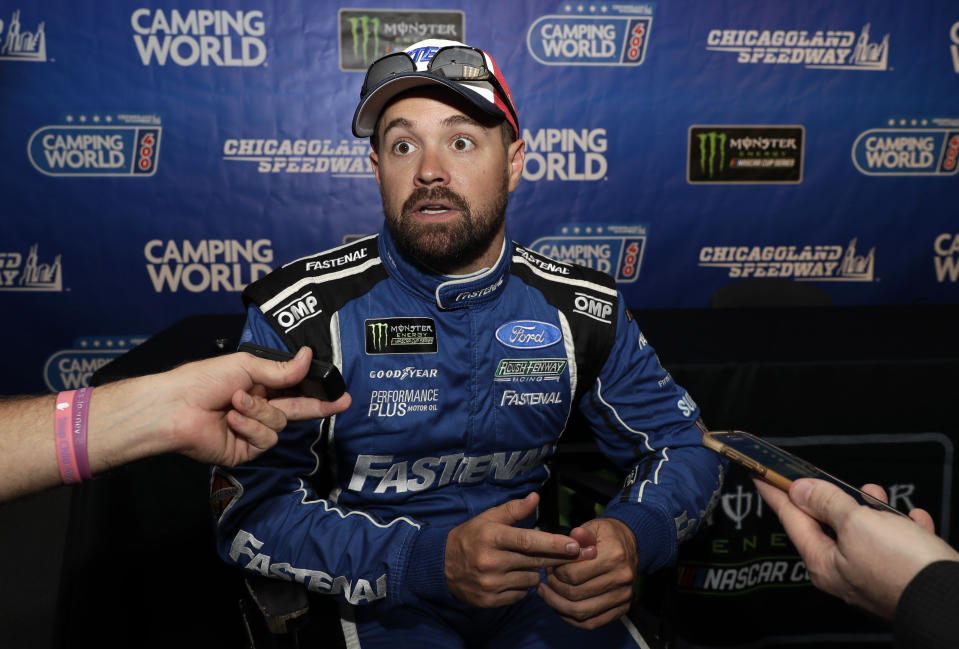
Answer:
[(528, 334)]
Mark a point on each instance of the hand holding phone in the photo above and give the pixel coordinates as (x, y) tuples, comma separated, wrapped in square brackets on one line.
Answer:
[(323, 381), (778, 466)]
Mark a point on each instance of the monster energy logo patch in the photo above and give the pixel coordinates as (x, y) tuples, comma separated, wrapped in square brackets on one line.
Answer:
[(745, 154), (400, 336), (367, 34)]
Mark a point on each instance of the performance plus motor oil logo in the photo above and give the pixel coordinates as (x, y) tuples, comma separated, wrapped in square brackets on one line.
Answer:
[(207, 265), (565, 154), (27, 273), (614, 249), (338, 158), (909, 148), (822, 263), (745, 154), (216, 37), (828, 49), (367, 34), (97, 145), (592, 34), (20, 44), (71, 369)]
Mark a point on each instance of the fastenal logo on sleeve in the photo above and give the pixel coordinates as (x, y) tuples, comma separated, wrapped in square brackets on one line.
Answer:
[(113, 145), (18, 44), (592, 34), (367, 34), (745, 154)]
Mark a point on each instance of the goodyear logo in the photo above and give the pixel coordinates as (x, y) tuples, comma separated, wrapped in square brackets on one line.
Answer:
[(906, 152), (95, 150), (19, 44), (367, 34), (600, 34), (71, 369), (614, 249)]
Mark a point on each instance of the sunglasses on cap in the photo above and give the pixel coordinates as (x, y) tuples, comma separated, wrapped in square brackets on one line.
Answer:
[(454, 62)]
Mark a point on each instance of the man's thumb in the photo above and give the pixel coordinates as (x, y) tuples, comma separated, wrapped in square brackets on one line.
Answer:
[(513, 511)]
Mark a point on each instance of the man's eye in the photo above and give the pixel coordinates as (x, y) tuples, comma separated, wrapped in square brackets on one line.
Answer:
[(463, 144), (403, 148)]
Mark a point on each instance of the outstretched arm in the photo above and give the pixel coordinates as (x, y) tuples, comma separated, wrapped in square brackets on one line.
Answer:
[(216, 411)]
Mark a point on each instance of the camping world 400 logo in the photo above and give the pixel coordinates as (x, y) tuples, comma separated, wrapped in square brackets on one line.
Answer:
[(97, 145), (613, 249), (592, 34)]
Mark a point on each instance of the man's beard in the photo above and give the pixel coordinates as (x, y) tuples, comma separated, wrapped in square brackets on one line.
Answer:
[(446, 247)]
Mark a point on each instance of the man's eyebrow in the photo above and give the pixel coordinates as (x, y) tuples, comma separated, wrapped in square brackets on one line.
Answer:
[(398, 122), (455, 120)]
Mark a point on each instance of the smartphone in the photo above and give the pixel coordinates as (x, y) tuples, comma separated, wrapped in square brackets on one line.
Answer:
[(777, 466), (323, 381)]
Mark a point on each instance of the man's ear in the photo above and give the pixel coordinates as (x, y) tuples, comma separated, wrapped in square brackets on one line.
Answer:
[(375, 163), (515, 158)]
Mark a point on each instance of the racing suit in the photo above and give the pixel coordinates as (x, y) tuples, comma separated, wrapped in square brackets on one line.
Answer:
[(461, 390)]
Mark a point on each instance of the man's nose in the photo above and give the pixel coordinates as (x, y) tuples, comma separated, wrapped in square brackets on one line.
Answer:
[(431, 169)]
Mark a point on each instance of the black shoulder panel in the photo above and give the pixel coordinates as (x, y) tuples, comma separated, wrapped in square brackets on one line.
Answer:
[(587, 297), (300, 298)]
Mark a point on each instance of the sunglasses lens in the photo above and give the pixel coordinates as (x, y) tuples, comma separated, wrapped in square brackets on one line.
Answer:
[(460, 63), (385, 67)]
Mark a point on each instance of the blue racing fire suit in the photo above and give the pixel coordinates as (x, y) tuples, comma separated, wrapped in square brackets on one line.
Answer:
[(461, 388)]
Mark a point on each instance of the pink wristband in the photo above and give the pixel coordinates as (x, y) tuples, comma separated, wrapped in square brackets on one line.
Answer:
[(81, 414), (63, 438)]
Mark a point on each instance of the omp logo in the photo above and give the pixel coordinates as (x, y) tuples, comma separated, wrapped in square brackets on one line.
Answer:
[(565, 154), (19, 272), (592, 307), (907, 152), (946, 247), (209, 37), (530, 369), (954, 48), (745, 154), (614, 249), (71, 369), (84, 150), (400, 336), (339, 158), (367, 34), (822, 263), (618, 36), (206, 265), (292, 314), (528, 334), (824, 49), (19, 44)]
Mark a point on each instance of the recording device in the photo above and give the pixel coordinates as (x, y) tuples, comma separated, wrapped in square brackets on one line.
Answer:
[(323, 381), (777, 466)]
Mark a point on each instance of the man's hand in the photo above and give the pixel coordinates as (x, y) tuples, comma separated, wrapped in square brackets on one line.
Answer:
[(489, 562), (874, 555), (597, 588), (221, 411)]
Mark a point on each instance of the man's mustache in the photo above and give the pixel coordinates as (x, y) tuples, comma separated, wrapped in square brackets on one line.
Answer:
[(444, 194)]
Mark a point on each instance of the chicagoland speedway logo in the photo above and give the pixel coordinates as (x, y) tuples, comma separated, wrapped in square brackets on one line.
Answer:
[(565, 154), (207, 265), (613, 249), (27, 273), (71, 369), (592, 34), (831, 49), (822, 263), (97, 145), (339, 158), (199, 36), (20, 44), (909, 148)]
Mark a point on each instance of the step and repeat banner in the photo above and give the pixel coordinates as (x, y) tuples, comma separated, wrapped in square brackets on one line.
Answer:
[(158, 156)]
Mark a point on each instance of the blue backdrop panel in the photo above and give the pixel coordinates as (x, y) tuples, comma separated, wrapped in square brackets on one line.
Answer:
[(159, 156)]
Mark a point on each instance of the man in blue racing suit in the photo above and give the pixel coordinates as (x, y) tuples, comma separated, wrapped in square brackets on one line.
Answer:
[(464, 354)]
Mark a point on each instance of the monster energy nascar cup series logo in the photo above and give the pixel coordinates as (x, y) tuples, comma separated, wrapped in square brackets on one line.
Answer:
[(367, 34), (400, 336), (745, 154)]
